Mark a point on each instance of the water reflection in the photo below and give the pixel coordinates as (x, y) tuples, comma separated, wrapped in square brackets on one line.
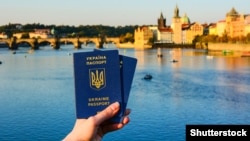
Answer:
[(196, 89)]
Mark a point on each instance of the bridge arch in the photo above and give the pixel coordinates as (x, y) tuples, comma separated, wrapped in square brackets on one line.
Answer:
[(23, 44), (89, 42), (116, 41), (86, 41), (55, 42), (6, 42), (31, 42), (44, 43)]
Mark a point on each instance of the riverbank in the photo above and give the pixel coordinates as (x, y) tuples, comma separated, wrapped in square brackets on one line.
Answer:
[(134, 46), (229, 47), (209, 47), (126, 45), (159, 45), (171, 45)]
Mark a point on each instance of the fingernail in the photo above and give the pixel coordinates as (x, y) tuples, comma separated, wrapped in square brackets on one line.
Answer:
[(115, 105)]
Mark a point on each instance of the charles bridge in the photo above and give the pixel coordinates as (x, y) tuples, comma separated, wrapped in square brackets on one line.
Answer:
[(34, 43)]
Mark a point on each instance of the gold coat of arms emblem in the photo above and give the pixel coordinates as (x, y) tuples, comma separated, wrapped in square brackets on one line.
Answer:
[(97, 78)]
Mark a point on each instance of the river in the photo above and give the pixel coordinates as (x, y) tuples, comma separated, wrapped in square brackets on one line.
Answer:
[(37, 93)]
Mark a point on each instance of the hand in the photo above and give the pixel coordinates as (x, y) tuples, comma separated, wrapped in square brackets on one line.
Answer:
[(95, 127)]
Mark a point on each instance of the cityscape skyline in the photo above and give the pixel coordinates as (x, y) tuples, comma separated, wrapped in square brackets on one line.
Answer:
[(115, 12)]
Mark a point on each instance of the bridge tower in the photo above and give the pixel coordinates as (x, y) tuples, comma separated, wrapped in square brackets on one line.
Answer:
[(102, 40), (56, 43), (77, 44), (13, 44), (34, 44)]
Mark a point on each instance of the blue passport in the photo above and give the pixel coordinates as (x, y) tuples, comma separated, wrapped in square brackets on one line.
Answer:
[(128, 66), (97, 82)]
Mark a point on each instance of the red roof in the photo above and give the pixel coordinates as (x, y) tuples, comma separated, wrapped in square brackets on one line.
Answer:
[(166, 30)]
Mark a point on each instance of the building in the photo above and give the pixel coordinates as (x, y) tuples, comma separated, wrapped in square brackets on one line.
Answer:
[(41, 33), (143, 35), (18, 35), (3, 36), (189, 31), (38, 33), (181, 31), (220, 28), (234, 25), (177, 27), (165, 32), (247, 24)]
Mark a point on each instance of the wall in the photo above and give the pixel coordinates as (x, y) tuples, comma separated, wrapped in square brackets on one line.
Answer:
[(226, 46)]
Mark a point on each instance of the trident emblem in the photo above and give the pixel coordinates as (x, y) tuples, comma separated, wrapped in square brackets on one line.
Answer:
[(97, 78)]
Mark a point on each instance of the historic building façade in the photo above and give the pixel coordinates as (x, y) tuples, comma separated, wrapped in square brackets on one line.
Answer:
[(182, 31)]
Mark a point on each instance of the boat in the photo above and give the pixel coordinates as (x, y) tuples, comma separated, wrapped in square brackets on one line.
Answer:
[(148, 77), (174, 61), (209, 57), (159, 54), (227, 51)]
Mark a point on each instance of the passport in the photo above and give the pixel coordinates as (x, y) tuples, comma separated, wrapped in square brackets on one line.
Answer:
[(128, 66), (97, 78)]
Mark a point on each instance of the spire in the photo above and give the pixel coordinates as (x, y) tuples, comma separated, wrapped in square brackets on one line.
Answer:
[(176, 12), (161, 22), (161, 17)]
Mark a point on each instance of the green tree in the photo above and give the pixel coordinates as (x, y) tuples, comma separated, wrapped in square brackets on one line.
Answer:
[(248, 38), (25, 36)]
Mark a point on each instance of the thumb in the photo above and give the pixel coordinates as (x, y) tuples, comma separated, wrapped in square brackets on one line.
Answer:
[(107, 113)]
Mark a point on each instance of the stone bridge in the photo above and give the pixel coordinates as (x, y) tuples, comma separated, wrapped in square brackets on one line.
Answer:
[(56, 42)]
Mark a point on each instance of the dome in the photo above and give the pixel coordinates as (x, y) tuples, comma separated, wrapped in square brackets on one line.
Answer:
[(185, 19)]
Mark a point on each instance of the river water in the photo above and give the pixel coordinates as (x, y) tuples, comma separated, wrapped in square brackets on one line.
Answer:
[(37, 93)]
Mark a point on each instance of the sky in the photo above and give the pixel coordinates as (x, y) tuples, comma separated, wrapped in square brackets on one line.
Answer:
[(115, 12)]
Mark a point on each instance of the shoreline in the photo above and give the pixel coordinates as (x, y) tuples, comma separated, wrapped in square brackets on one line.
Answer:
[(171, 45), (228, 47)]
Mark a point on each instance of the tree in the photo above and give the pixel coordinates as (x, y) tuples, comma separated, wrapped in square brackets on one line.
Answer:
[(248, 38), (25, 36), (128, 37), (151, 41)]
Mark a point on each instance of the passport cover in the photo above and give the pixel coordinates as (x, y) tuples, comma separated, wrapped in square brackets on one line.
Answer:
[(97, 82), (128, 66)]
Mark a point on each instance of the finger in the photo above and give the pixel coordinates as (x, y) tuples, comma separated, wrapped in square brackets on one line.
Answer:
[(125, 120), (115, 126), (107, 113), (112, 127), (127, 112)]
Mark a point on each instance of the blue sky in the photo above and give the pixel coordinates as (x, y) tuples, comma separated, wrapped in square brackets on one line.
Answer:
[(114, 12)]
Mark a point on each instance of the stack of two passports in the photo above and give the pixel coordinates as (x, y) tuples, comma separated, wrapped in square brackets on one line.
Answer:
[(102, 77)]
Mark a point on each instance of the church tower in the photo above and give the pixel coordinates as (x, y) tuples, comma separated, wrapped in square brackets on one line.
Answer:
[(161, 22), (235, 23), (177, 27)]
